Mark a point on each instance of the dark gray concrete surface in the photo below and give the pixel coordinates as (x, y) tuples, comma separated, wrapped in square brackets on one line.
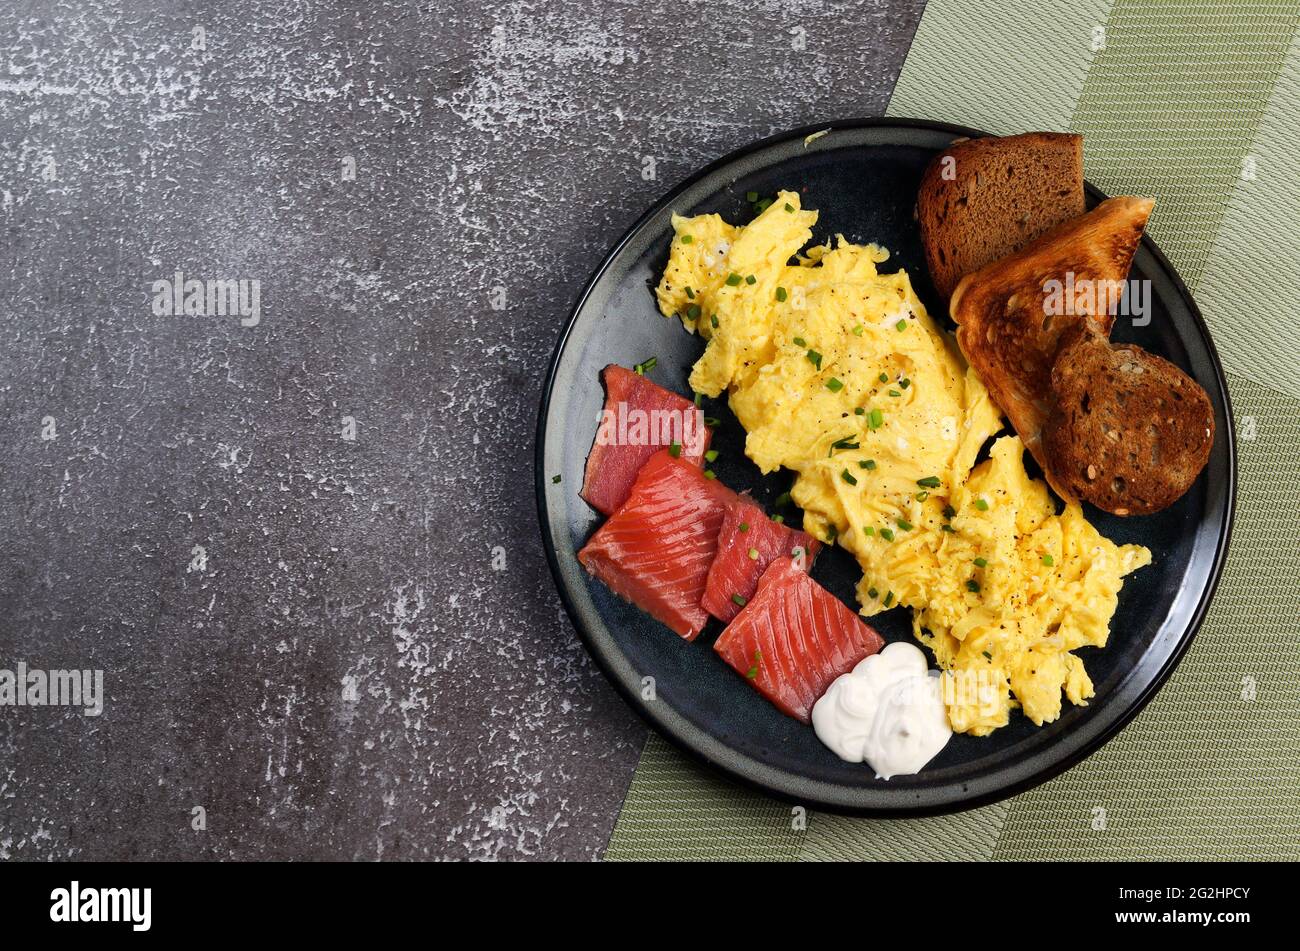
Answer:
[(367, 658)]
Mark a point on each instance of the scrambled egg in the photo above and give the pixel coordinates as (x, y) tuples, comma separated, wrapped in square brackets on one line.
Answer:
[(837, 373)]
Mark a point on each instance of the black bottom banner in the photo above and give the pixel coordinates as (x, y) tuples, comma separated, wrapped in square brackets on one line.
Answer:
[(334, 900)]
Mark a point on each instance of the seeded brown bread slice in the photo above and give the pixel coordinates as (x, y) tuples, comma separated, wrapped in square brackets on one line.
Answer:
[(1129, 431), (982, 199), (1003, 324)]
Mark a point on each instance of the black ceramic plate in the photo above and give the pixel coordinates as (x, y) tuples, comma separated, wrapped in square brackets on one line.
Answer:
[(861, 177)]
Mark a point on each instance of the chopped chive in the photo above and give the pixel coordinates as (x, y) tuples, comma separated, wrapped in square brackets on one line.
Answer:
[(889, 599), (973, 585), (814, 358), (699, 399), (751, 197), (555, 480), (675, 449), (901, 326), (734, 279), (857, 331), (949, 511), (710, 474), (744, 526), (832, 533), (845, 443), (762, 206), (1048, 560), (987, 654), (922, 495), (848, 477), (779, 519), (862, 464), (800, 342), (895, 393), (781, 295), (981, 563), (884, 378), (869, 464), (872, 593), (711, 420), (714, 321), (753, 671), (753, 554), (693, 312), (751, 279), (789, 207), (711, 455), (981, 505), (904, 383), (875, 419), (930, 482), (887, 534), (641, 369), (868, 531), (948, 528), (690, 294), (688, 239), (834, 385), (904, 524), (738, 600), (782, 500), (859, 411)]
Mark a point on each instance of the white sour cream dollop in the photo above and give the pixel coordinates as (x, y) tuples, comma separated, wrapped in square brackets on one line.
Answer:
[(887, 711)]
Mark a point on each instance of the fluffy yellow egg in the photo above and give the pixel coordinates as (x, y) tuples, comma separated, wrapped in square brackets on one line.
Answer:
[(837, 372)]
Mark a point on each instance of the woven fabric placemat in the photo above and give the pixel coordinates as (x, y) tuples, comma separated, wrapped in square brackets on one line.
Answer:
[(1198, 105)]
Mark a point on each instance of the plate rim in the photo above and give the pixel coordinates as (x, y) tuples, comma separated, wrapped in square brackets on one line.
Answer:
[(649, 717)]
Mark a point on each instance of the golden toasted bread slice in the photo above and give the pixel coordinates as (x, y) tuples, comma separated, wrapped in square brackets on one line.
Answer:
[(1129, 431), (1011, 314), (982, 199)]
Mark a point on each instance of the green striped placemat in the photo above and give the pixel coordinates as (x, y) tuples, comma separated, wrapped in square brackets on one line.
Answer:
[(1198, 105)]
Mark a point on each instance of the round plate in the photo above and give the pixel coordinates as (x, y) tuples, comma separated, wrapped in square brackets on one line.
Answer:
[(862, 178)]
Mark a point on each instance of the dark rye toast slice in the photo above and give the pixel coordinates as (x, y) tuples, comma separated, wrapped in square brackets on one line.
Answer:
[(1004, 325), (982, 199), (1129, 431)]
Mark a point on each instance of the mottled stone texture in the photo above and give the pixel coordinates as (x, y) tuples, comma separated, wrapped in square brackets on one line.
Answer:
[(367, 659)]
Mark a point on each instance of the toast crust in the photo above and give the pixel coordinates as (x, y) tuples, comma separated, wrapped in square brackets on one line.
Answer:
[(1005, 324)]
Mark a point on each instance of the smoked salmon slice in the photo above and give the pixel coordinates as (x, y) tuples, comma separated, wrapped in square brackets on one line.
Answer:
[(794, 638), (639, 418), (748, 542), (655, 551)]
